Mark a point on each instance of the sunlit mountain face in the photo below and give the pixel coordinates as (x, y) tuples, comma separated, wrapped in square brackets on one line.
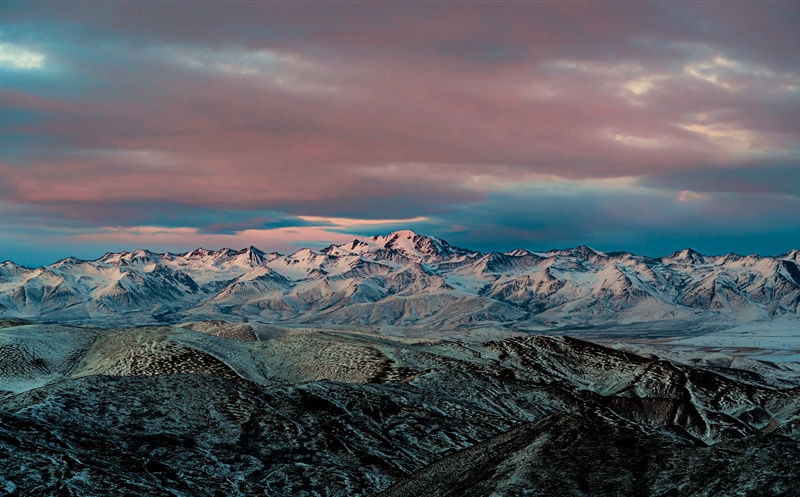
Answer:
[(410, 280), (491, 248)]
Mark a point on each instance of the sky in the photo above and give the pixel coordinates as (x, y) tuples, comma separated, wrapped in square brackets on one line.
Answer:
[(640, 126)]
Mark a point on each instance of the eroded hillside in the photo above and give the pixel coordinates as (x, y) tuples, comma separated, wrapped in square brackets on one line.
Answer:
[(238, 409)]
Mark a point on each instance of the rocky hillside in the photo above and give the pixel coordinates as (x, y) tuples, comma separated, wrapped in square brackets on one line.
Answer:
[(237, 409)]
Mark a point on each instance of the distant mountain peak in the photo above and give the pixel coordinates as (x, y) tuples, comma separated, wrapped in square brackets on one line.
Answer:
[(586, 252), (405, 278), (304, 253), (419, 247), (520, 252), (687, 255), (406, 233), (68, 261), (792, 255), (406, 243), (198, 252)]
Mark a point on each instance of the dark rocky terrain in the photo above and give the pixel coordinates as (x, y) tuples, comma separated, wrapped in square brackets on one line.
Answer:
[(239, 409)]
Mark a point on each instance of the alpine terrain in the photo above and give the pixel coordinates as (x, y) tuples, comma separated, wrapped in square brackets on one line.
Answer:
[(400, 365), (408, 280)]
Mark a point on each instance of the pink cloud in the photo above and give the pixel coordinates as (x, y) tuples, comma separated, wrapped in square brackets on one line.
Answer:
[(389, 110)]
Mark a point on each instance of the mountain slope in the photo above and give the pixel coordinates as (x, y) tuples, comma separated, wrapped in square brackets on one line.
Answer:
[(601, 454), (175, 411)]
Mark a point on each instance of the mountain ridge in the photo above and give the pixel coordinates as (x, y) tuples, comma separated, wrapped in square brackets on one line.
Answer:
[(406, 279)]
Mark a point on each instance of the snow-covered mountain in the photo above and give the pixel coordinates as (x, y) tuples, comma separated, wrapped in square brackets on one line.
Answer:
[(406, 279)]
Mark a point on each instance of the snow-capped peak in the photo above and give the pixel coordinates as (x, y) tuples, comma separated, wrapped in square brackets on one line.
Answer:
[(305, 254), (685, 256), (587, 253), (197, 253), (250, 255), (406, 243), (520, 252), (792, 255), (137, 257), (68, 261), (405, 277)]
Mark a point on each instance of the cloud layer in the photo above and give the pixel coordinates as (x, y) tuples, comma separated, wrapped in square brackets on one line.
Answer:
[(641, 126)]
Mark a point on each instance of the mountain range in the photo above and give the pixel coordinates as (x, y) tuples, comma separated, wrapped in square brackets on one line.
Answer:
[(409, 280), (346, 372)]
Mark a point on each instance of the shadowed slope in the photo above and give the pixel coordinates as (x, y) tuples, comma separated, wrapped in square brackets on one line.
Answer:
[(601, 454)]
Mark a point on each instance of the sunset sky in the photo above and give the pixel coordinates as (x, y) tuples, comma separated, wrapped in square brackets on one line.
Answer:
[(647, 127)]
